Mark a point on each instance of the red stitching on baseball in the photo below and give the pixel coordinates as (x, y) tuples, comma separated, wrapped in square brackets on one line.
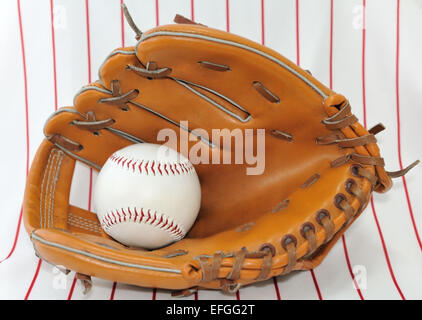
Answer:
[(153, 220), (184, 168), (163, 222), (146, 167), (155, 167), (152, 167), (181, 167), (171, 169), (124, 215), (175, 168), (115, 219), (136, 214)]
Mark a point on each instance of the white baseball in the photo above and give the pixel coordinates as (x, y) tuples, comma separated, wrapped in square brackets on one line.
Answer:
[(147, 195)]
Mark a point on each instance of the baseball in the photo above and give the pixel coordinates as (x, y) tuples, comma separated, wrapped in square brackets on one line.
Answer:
[(147, 195)]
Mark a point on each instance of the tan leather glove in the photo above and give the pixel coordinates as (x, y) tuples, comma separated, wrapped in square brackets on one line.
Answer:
[(321, 164)]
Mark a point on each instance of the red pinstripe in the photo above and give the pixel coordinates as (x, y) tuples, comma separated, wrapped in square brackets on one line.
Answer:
[(314, 278), (157, 13), (262, 22), (53, 40), (409, 204), (25, 82), (277, 291), (228, 15), (157, 23), (88, 39), (113, 291), (349, 267), (343, 238), (192, 10), (227, 29), (31, 286), (384, 247), (26, 89), (27, 130), (27, 144), (72, 288)]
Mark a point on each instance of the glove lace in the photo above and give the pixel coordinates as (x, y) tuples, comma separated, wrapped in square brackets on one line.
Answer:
[(343, 119)]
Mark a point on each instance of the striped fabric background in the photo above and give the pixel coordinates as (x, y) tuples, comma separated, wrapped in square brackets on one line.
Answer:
[(368, 50)]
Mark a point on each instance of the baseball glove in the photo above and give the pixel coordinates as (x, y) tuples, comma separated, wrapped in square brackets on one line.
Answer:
[(321, 164)]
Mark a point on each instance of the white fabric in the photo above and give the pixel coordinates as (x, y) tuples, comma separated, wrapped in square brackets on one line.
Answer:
[(381, 248)]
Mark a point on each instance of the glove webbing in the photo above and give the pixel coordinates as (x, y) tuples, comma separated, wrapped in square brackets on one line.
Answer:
[(341, 120)]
